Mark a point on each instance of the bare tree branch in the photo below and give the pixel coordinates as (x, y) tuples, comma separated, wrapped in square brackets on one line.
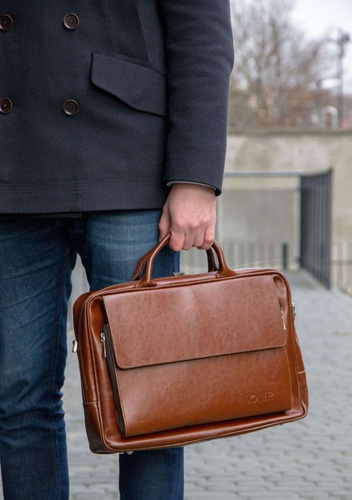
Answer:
[(274, 61)]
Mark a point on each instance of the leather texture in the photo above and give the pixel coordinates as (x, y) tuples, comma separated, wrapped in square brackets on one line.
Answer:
[(188, 358)]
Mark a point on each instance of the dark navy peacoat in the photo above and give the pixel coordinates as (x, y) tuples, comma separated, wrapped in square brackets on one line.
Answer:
[(105, 102)]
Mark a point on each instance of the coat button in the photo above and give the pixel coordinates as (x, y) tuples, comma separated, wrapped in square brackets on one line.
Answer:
[(70, 107), (6, 22), (71, 21), (5, 105)]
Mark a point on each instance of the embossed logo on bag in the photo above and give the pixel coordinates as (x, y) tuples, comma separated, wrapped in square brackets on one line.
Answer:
[(263, 397)]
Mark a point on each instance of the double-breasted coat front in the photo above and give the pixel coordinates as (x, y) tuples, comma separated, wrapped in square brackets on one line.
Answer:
[(105, 102)]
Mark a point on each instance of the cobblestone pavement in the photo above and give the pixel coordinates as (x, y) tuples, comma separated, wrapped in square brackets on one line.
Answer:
[(309, 459)]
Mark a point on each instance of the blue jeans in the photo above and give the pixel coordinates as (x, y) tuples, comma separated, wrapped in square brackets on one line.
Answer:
[(37, 256)]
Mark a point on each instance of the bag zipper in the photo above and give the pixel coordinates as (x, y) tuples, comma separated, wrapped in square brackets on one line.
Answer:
[(106, 339), (282, 316)]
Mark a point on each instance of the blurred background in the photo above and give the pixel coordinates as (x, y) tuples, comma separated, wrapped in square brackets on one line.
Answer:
[(287, 199), (293, 64)]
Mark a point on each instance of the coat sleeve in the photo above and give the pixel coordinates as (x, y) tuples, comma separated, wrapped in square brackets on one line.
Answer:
[(200, 57)]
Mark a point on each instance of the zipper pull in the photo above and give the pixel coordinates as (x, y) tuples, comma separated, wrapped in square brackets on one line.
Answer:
[(282, 316), (293, 305), (103, 338)]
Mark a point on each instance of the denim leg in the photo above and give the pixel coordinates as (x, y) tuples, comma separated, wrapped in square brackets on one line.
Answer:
[(36, 260), (152, 475), (113, 243)]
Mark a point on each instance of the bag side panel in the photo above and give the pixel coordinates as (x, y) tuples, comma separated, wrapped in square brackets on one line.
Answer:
[(299, 382)]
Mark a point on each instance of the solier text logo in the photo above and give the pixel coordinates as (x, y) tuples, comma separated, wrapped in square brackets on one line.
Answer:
[(262, 397)]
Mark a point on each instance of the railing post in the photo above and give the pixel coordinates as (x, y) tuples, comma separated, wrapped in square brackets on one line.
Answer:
[(284, 255), (316, 219)]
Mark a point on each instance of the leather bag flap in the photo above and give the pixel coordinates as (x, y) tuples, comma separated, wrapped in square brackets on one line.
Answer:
[(194, 321), (137, 85)]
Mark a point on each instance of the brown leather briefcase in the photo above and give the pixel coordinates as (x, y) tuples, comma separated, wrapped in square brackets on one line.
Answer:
[(187, 358)]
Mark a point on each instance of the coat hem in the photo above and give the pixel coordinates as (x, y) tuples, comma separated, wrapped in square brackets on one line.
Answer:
[(82, 196)]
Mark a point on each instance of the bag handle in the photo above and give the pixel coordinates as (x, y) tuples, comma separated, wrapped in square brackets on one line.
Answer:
[(140, 266), (147, 281)]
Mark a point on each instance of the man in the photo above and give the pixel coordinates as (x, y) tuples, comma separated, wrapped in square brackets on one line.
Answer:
[(113, 132)]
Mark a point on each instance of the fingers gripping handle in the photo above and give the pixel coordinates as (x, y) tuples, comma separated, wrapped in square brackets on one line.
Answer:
[(147, 280), (140, 266)]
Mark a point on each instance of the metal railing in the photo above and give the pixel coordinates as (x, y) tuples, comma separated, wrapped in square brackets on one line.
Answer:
[(316, 221), (240, 254), (307, 242)]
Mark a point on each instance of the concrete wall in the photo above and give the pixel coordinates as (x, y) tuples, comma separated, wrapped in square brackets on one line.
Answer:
[(305, 150)]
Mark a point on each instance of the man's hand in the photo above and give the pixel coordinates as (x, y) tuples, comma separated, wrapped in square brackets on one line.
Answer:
[(189, 213)]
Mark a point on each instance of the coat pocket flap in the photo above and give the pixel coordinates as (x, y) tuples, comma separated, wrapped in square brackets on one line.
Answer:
[(138, 86), (194, 321)]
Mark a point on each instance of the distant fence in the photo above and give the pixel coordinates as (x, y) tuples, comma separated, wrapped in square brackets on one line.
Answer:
[(307, 242), (271, 221), (316, 219), (241, 254)]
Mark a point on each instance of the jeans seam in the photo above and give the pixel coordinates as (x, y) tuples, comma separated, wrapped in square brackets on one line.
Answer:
[(57, 329)]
